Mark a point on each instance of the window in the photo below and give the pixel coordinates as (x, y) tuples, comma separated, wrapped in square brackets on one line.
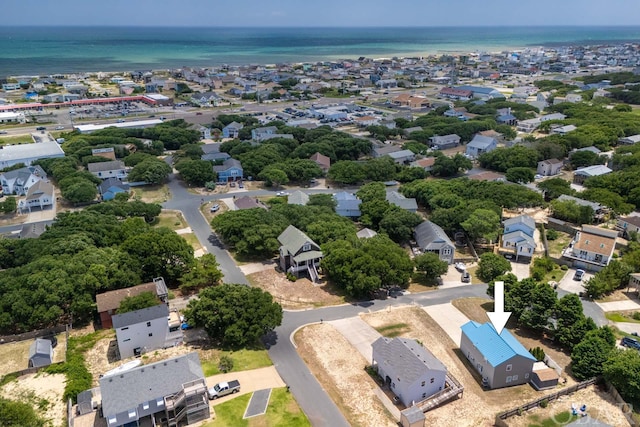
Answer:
[(124, 329), (132, 413), (526, 376), (148, 324), (515, 378), (423, 383), (112, 420), (432, 380), (160, 401), (128, 339), (509, 378), (424, 395), (306, 247), (509, 368), (145, 405), (150, 334)]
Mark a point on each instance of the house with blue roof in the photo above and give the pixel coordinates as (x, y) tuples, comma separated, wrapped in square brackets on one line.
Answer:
[(499, 358)]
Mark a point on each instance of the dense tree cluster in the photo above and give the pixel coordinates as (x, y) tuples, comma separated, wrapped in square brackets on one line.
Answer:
[(503, 159), (234, 315), (54, 278), (361, 266), (76, 186)]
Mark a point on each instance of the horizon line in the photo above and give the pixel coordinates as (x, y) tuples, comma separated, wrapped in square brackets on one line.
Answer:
[(321, 26)]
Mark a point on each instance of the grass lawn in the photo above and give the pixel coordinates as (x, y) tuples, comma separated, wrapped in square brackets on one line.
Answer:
[(560, 419), (621, 316), (192, 239), (474, 278), (21, 139), (282, 411), (394, 330), (474, 308), (556, 246), (171, 219), (243, 360), (152, 193), (554, 275)]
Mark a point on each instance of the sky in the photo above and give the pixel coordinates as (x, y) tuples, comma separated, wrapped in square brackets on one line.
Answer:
[(324, 13)]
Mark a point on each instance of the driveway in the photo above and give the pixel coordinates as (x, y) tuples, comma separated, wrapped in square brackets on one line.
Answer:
[(628, 327), (574, 286), (619, 305), (358, 333), (521, 270), (449, 318), (250, 381)]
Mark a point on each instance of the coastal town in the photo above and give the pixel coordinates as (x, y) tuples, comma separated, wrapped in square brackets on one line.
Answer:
[(325, 243)]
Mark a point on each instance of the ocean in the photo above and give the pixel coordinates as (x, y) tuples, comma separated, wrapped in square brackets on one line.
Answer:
[(49, 50)]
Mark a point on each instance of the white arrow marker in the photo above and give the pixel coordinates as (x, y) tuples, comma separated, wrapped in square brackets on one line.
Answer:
[(498, 316)]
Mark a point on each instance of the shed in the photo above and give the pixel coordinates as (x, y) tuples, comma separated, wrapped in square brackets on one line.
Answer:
[(543, 377), (40, 353), (412, 417)]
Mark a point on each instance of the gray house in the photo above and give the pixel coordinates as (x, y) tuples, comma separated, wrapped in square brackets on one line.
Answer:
[(444, 142), (431, 237), (347, 204), (40, 353), (299, 253), (499, 358), (147, 329), (411, 371), (408, 204), (298, 198), (173, 389), (480, 144)]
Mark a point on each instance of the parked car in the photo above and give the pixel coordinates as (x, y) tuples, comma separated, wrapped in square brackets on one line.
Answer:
[(466, 277), (579, 275), (59, 127), (3, 132), (215, 208), (41, 128), (224, 388), (460, 266), (630, 342)]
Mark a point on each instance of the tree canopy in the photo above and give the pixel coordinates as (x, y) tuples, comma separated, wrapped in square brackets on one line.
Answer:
[(234, 315), (138, 302)]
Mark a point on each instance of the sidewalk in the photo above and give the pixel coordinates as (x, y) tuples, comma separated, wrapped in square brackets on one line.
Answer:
[(618, 305)]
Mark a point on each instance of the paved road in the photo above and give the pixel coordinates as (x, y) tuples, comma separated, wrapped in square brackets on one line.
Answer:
[(320, 409)]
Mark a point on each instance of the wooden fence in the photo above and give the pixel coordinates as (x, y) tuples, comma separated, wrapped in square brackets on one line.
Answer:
[(533, 404), (32, 334)]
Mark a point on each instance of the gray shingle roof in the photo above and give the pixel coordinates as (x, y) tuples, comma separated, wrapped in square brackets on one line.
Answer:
[(228, 164), (408, 359), (581, 202), (139, 316), (525, 219), (105, 166), (293, 239), (481, 142), (298, 198), (431, 236), (399, 200), (132, 388), (38, 189)]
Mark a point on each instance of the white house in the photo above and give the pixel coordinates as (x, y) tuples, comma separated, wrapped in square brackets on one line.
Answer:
[(411, 371), (592, 248), (147, 329), (18, 181), (111, 169), (518, 236)]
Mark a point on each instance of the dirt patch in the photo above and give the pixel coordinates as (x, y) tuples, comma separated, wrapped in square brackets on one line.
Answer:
[(340, 369), (43, 392), (600, 406), (14, 356), (295, 295), (477, 407), (12, 219)]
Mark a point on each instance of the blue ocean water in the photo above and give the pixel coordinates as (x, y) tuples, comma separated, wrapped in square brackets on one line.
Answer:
[(46, 50)]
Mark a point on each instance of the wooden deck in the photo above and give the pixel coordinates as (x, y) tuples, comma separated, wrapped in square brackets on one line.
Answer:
[(453, 389)]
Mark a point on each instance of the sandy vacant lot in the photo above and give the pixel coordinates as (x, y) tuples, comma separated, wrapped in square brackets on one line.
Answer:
[(294, 295), (336, 364), (340, 369), (43, 392), (15, 355)]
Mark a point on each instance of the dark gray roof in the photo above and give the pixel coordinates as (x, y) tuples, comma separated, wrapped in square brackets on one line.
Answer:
[(105, 166), (132, 388), (298, 198), (40, 347), (581, 202), (211, 148), (112, 182), (23, 174), (431, 236), (234, 125), (228, 164), (481, 142), (408, 359), (139, 316), (32, 230)]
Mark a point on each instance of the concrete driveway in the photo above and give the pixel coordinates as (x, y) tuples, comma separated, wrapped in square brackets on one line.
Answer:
[(358, 333), (449, 318), (574, 286), (619, 305), (250, 381), (521, 270)]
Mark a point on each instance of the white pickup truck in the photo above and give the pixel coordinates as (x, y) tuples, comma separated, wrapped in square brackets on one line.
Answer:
[(224, 388)]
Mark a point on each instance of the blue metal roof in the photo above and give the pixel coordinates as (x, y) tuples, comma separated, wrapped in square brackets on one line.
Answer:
[(495, 348)]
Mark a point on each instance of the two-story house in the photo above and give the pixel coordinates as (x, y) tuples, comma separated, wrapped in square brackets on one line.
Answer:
[(18, 181), (411, 371), (172, 391), (232, 130), (147, 329), (430, 237), (628, 225), (591, 248), (230, 170), (108, 302), (347, 204), (500, 359), (444, 142), (549, 167), (298, 253), (110, 169), (518, 237), (40, 195), (260, 134), (480, 144)]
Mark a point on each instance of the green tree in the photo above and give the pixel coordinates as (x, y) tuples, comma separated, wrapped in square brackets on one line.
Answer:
[(196, 172), (543, 302), (568, 210), (372, 191), (491, 266), (589, 356), (555, 187), (430, 265), (234, 315), (380, 169), (80, 192), (622, 370), (18, 414), (138, 302), (9, 205), (581, 159), (398, 224), (205, 272), (521, 175), (346, 172), (151, 171), (273, 177), (482, 223), (326, 200)]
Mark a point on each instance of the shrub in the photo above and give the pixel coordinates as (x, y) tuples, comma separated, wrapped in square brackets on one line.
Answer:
[(538, 353), (552, 234), (636, 315), (292, 277), (544, 403), (564, 267), (225, 364)]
